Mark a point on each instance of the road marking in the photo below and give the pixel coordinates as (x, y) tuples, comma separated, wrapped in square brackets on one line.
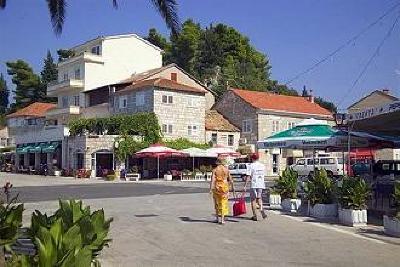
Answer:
[(322, 225)]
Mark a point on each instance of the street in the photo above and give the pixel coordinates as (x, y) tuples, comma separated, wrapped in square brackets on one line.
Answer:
[(170, 224)]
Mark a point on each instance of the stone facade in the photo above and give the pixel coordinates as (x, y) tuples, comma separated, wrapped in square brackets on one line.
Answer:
[(222, 138), (257, 124)]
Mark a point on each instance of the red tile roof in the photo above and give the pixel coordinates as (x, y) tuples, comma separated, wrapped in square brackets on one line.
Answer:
[(271, 101), (216, 122), (36, 109), (163, 83)]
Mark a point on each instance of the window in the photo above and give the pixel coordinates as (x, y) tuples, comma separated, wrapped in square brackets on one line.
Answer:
[(192, 130), (327, 161), (76, 100), (192, 102), (32, 122), (275, 126), (96, 50), (167, 128), (167, 99), (246, 126), (290, 124), (230, 140), (65, 76), (140, 99), (174, 76), (242, 166), (78, 73), (123, 101), (214, 138), (310, 161), (301, 162), (64, 101)]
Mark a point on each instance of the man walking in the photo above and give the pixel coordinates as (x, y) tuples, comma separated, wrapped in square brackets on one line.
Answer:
[(255, 176)]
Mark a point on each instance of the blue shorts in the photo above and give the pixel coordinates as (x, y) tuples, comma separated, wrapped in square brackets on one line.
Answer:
[(255, 193)]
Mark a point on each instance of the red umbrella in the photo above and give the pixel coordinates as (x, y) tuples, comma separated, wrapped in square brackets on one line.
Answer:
[(159, 151)]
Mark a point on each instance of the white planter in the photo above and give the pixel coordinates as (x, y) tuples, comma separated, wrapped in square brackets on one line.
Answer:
[(324, 211), (275, 201), (57, 173), (353, 217), (391, 226), (208, 176), (93, 174), (133, 177), (291, 205), (168, 177)]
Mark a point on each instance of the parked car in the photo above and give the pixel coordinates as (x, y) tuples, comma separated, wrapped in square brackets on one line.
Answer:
[(239, 170), (332, 165)]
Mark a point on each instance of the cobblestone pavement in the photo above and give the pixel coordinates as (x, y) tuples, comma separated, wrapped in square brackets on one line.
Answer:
[(177, 230)]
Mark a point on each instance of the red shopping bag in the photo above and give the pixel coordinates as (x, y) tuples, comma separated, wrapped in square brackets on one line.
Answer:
[(239, 207)]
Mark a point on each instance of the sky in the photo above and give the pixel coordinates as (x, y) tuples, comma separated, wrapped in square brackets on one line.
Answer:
[(294, 34)]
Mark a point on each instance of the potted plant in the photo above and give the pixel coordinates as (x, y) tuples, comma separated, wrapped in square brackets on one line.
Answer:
[(110, 177), (352, 195), (319, 191), (198, 175), (186, 174), (275, 200), (391, 223), (133, 174), (168, 176), (286, 187)]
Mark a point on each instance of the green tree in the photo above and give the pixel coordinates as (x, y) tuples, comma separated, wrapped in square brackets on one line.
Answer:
[(64, 54), (304, 93), (29, 88), (49, 72), (156, 39), (57, 9), (326, 104), (184, 47), (4, 93)]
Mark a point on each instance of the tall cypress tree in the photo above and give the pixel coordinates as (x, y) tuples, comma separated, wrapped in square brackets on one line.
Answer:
[(49, 72), (3, 94)]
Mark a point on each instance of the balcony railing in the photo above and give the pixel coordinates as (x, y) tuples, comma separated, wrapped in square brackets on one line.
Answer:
[(71, 110), (57, 86), (85, 56)]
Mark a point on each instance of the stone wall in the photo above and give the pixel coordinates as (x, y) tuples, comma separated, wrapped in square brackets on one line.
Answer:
[(222, 138), (181, 113)]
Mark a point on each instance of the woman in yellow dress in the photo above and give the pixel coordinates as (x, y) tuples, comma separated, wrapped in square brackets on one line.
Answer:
[(219, 187)]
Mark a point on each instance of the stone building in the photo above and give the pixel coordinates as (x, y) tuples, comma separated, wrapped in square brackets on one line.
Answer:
[(262, 114), (219, 131)]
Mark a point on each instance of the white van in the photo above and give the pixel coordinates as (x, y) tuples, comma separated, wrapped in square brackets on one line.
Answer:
[(239, 170), (332, 165)]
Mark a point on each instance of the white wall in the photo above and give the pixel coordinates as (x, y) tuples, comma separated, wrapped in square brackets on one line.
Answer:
[(122, 57)]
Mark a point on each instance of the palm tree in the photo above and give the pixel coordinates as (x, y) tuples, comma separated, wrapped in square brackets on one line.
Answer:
[(166, 8)]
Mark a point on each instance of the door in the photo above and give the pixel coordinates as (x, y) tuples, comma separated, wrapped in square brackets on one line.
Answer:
[(275, 163)]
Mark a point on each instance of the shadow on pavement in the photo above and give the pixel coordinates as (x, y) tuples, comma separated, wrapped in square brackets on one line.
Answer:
[(188, 219), (146, 215)]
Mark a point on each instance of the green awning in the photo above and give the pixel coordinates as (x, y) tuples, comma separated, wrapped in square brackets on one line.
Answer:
[(37, 148), (50, 148), (23, 149)]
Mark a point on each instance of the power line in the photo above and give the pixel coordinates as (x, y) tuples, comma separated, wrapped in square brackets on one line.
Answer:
[(373, 56), (341, 47)]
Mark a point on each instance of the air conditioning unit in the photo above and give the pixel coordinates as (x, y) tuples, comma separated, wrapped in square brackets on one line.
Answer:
[(242, 141)]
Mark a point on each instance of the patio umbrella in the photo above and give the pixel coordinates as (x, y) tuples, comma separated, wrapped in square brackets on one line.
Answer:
[(308, 134), (224, 152), (195, 152), (159, 151)]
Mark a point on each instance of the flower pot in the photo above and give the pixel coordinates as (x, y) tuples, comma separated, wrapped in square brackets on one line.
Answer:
[(391, 226), (324, 211), (167, 177), (353, 217), (275, 201), (291, 205)]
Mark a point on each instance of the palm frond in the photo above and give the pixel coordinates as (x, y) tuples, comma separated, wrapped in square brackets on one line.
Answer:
[(168, 10), (115, 3), (57, 13), (3, 4)]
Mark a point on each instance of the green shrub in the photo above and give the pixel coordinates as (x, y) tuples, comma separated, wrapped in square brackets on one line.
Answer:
[(73, 236), (10, 221), (319, 189), (203, 168), (110, 177), (286, 184), (353, 193)]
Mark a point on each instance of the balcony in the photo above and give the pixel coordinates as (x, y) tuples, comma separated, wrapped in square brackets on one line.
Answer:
[(36, 134), (71, 110), (85, 57), (55, 87)]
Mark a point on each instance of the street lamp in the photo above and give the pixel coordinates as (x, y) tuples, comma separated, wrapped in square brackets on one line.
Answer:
[(343, 124)]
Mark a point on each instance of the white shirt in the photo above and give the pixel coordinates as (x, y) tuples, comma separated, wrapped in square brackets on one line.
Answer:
[(256, 171)]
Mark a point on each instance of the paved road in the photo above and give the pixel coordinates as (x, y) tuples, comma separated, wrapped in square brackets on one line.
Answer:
[(94, 191)]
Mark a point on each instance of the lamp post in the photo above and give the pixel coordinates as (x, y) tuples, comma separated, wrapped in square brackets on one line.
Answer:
[(341, 123)]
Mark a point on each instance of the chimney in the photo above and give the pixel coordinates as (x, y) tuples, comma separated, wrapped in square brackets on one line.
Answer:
[(311, 96), (386, 91)]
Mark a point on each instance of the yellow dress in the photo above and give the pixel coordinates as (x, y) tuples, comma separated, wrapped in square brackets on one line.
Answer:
[(221, 191)]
